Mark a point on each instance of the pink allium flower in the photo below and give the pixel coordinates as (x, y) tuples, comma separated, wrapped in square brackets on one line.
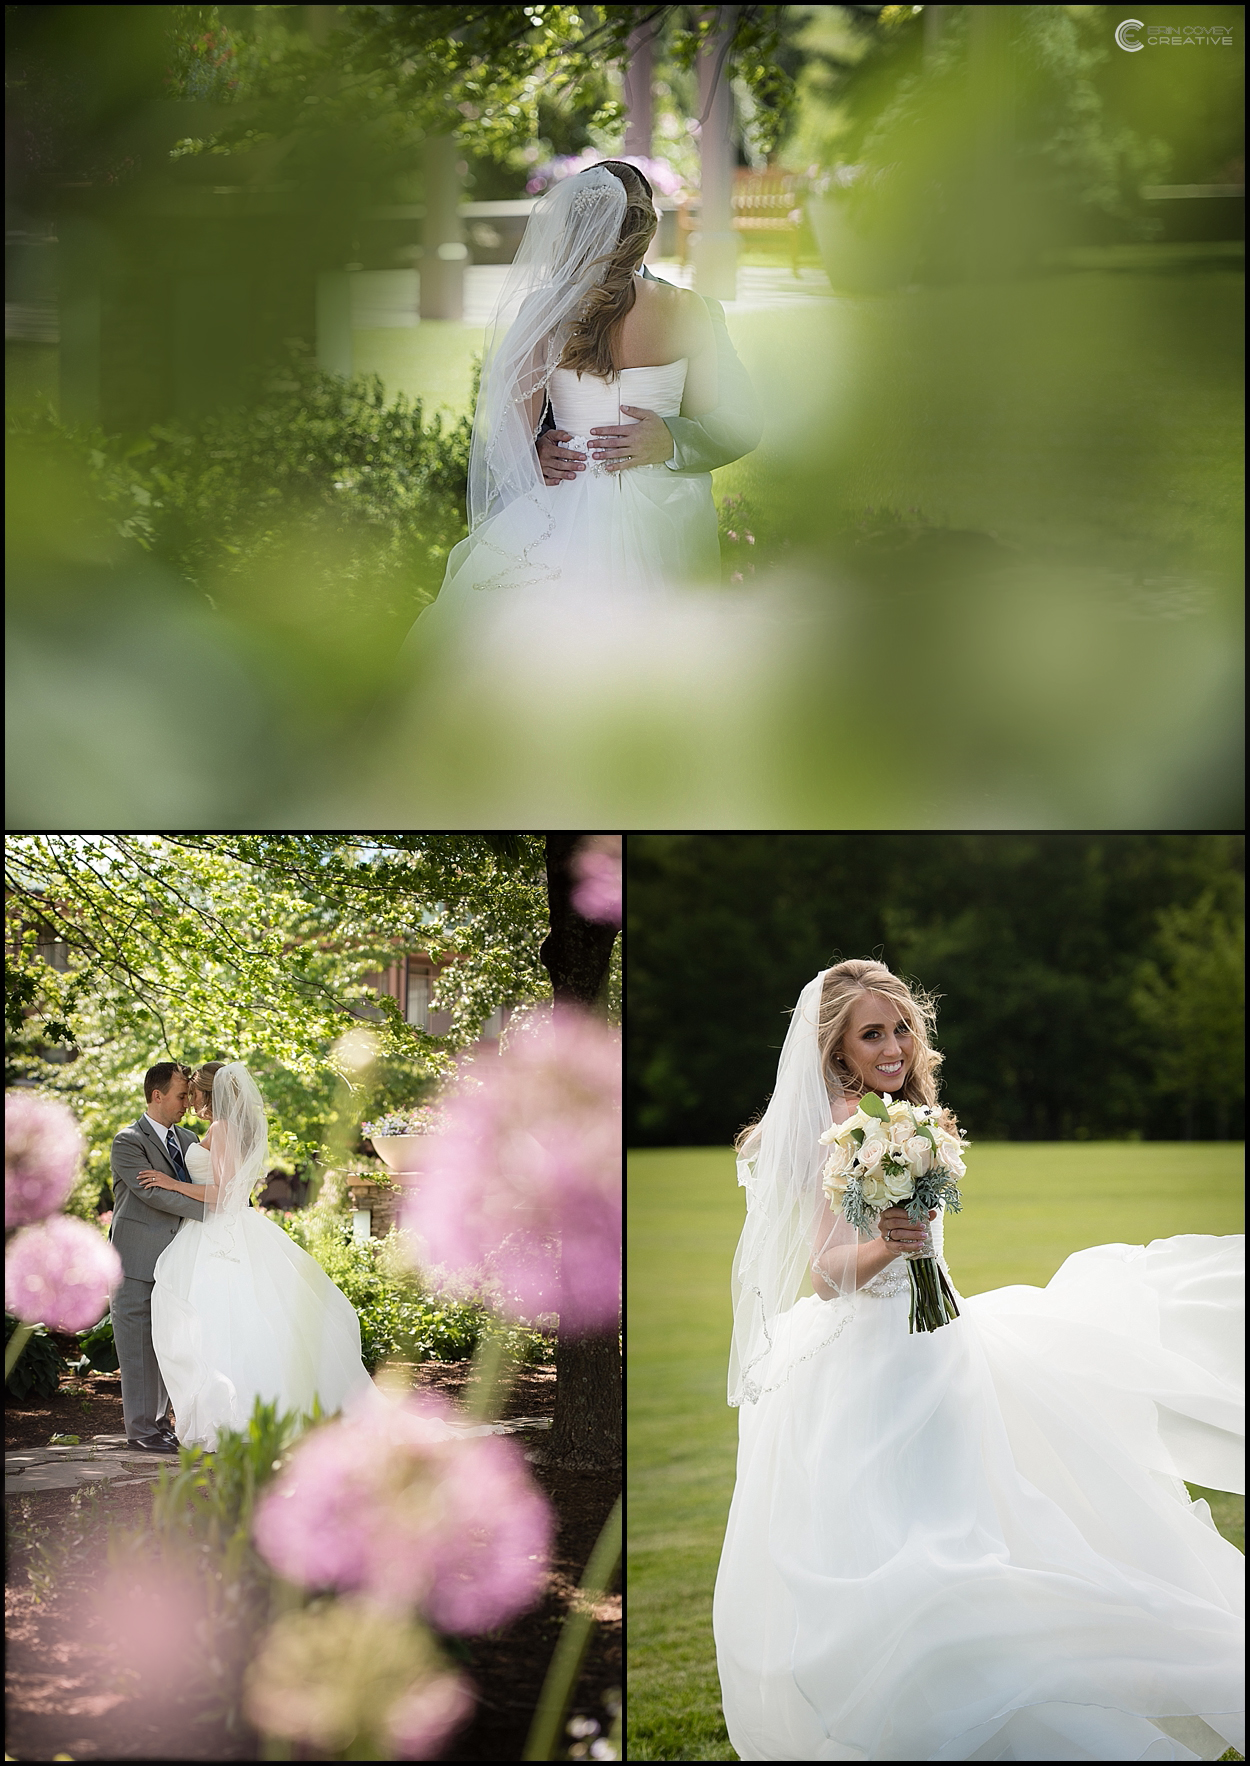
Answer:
[(525, 1180), (597, 867), (391, 1503), (42, 1151), (422, 1720), (60, 1274)]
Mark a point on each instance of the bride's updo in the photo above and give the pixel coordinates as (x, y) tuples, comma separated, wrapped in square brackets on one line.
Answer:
[(589, 349), (201, 1082), (846, 983)]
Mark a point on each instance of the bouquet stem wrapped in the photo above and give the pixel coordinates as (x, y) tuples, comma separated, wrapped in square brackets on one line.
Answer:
[(891, 1154)]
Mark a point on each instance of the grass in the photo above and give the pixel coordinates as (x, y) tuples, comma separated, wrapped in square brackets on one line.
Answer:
[(685, 1214)]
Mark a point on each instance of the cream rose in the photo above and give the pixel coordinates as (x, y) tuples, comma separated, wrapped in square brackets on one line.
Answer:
[(898, 1184), (918, 1152), (901, 1132), (875, 1188), (871, 1152), (839, 1162)]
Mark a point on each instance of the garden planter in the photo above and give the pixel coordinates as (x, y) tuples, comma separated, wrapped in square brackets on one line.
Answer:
[(400, 1153), (854, 264)]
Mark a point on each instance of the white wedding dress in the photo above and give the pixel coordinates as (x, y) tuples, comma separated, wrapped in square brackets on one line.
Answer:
[(250, 1316), (593, 544), (975, 1544)]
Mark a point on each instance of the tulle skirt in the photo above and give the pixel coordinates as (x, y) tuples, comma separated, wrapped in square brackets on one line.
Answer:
[(976, 1544), (589, 544), (254, 1317)]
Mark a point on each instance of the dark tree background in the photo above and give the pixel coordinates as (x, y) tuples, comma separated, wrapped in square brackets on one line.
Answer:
[(1091, 985)]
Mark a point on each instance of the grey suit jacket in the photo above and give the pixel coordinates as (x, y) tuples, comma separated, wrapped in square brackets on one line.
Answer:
[(144, 1221), (733, 429)]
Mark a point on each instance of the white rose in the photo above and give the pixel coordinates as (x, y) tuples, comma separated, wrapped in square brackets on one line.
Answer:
[(898, 1184), (953, 1163), (839, 1161), (871, 1152), (918, 1153), (901, 1132), (899, 1111), (874, 1186)]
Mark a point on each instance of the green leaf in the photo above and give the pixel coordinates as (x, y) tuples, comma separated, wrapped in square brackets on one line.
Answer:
[(871, 1105)]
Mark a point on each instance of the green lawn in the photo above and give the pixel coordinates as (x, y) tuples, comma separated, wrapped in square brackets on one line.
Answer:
[(685, 1214)]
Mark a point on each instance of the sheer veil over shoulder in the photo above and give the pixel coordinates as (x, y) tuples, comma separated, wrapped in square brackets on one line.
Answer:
[(239, 1310), (974, 1543)]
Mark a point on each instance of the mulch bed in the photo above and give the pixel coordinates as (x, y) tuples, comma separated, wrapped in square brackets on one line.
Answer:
[(64, 1696)]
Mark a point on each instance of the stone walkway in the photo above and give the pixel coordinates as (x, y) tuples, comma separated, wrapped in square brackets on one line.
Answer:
[(108, 1459)]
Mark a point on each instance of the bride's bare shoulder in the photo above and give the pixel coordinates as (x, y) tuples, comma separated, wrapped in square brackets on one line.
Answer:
[(844, 1108), (682, 312)]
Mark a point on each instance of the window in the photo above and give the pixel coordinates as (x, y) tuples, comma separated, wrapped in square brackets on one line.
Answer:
[(493, 1026), (54, 952), (418, 1009)]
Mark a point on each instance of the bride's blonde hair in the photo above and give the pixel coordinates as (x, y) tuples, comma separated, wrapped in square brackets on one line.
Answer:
[(847, 982), (201, 1081), (589, 349)]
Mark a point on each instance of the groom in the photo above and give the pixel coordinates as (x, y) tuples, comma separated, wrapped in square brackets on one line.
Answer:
[(144, 1222), (683, 444)]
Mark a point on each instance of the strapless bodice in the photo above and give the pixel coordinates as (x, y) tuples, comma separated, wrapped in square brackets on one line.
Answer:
[(199, 1163), (583, 405)]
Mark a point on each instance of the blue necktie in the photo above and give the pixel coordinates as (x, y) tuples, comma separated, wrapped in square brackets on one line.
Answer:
[(176, 1159)]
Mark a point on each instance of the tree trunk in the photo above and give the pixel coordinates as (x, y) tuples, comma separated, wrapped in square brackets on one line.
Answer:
[(586, 1429)]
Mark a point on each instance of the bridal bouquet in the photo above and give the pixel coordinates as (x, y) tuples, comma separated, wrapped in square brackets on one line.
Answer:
[(897, 1155)]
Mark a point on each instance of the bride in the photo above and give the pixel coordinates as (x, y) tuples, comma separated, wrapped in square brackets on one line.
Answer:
[(580, 325), (239, 1311), (972, 1544)]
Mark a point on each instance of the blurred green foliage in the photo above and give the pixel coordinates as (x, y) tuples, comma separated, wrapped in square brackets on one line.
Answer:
[(1090, 985), (374, 488)]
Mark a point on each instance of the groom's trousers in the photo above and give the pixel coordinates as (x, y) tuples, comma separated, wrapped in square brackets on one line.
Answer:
[(144, 1398)]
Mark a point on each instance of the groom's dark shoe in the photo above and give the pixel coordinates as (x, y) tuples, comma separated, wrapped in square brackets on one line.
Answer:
[(156, 1444)]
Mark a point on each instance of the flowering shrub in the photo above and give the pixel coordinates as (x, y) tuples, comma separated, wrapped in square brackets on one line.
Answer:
[(425, 1119), (390, 1502), (60, 1273), (338, 1668), (597, 867), (659, 173), (43, 1148), (525, 1180)]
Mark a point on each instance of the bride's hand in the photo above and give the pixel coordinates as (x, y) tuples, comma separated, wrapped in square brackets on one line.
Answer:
[(157, 1180), (909, 1236)]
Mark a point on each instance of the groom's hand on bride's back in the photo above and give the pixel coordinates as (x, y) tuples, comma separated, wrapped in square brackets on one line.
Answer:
[(557, 461)]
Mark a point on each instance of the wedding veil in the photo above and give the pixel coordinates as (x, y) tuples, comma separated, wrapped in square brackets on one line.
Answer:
[(571, 232), (790, 1227), (240, 1154)]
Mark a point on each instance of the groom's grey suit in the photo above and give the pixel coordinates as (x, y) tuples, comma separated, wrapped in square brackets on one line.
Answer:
[(144, 1222)]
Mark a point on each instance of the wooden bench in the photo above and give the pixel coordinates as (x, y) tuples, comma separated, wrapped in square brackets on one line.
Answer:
[(763, 202)]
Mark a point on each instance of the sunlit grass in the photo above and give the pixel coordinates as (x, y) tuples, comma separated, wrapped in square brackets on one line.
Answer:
[(1028, 1206)]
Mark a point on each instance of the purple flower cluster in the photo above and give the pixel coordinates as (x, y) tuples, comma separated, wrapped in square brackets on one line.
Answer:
[(60, 1273), (525, 1179), (659, 173), (390, 1502), (597, 867), (42, 1152)]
